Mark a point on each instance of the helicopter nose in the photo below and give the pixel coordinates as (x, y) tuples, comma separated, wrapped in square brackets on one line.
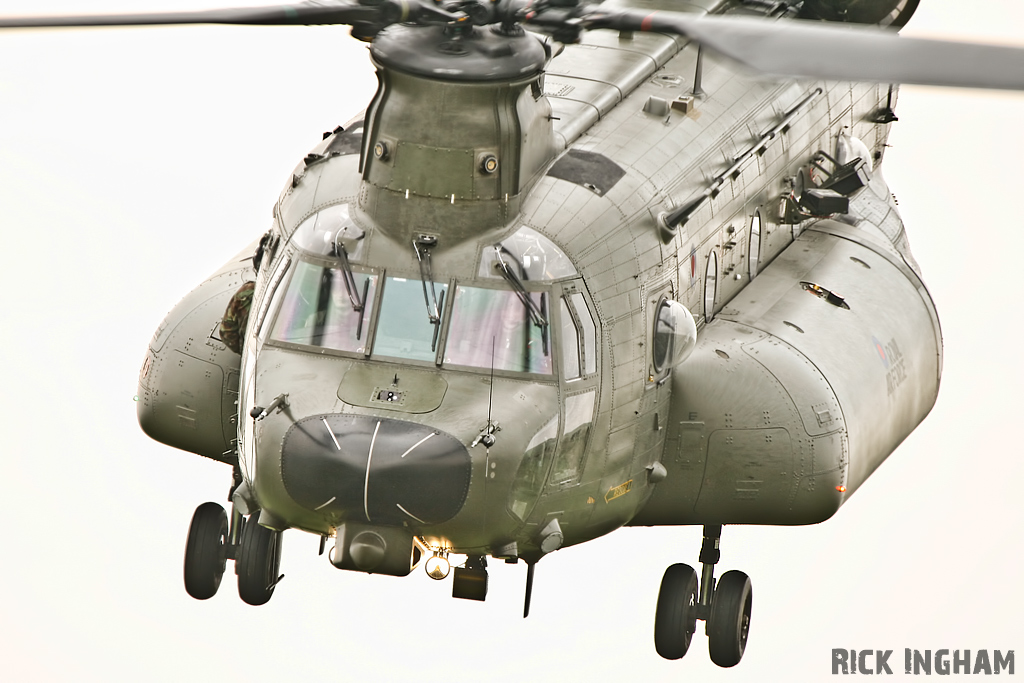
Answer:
[(382, 470)]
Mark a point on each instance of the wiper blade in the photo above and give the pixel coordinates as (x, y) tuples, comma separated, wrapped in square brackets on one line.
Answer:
[(349, 279), (421, 246), (538, 314), (358, 302)]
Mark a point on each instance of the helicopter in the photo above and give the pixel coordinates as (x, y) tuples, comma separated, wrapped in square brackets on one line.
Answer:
[(537, 318)]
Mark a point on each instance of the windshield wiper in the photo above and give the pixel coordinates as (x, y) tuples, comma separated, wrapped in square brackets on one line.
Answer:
[(538, 314), (422, 245), (358, 303)]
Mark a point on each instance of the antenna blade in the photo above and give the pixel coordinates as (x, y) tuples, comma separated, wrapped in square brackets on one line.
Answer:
[(529, 588), (805, 49)]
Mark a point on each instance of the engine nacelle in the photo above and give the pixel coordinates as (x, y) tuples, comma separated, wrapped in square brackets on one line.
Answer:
[(188, 385), (893, 13)]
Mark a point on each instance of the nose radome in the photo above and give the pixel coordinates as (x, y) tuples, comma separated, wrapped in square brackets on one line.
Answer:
[(382, 470)]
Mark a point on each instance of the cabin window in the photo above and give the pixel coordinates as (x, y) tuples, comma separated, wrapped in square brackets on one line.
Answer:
[(319, 309), (405, 328), (495, 328)]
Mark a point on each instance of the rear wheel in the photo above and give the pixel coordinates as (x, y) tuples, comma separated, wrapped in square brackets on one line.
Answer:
[(206, 551), (676, 616), (259, 558), (729, 622)]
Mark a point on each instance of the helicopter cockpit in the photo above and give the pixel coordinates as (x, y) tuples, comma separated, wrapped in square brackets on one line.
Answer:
[(329, 300)]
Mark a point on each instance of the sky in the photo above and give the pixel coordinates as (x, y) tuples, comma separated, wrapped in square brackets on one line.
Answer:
[(134, 162)]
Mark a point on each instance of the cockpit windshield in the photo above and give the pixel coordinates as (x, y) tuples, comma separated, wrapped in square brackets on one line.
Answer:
[(317, 308), (492, 327), (500, 319), (404, 330)]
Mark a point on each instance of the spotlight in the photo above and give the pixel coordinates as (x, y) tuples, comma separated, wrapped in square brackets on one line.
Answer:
[(437, 566)]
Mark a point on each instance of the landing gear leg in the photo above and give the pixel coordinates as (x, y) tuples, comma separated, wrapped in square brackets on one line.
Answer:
[(709, 556), (725, 607)]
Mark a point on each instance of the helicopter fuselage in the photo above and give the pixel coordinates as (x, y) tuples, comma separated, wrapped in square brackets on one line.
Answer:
[(458, 332)]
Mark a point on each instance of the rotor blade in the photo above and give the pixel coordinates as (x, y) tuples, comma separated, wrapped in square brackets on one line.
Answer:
[(301, 13), (793, 48)]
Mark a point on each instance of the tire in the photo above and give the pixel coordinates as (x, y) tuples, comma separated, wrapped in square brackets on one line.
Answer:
[(206, 551), (676, 617), (729, 622), (259, 558)]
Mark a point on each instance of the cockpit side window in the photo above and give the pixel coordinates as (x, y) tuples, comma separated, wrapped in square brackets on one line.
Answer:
[(317, 309), (494, 327), (589, 330), (570, 339)]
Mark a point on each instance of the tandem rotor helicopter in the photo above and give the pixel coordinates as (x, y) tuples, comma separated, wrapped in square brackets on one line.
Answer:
[(522, 301)]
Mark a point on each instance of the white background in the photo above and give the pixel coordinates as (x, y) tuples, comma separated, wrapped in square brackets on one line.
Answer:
[(133, 162)]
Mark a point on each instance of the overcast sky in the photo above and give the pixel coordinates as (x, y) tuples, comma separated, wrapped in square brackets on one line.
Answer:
[(134, 162)]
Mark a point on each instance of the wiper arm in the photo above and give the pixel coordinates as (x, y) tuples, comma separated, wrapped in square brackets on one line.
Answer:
[(358, 302), (349, 279), (538, 314), (421, 245)]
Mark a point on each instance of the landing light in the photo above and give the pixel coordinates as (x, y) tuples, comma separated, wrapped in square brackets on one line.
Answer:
[(437, 567)]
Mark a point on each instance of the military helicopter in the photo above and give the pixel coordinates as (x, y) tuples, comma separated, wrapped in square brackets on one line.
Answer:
[(665, 408)]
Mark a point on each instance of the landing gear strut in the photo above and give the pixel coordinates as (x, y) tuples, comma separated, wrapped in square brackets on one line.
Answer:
[(724, 607)]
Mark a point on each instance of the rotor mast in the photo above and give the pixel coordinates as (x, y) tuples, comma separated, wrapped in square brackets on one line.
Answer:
[(458, 130)]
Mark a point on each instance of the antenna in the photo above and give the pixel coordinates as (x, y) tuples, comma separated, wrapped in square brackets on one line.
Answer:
[(490, 386), (488, 437)]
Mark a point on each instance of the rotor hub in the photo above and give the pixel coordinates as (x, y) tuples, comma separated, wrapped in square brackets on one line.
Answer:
[(467, 54)]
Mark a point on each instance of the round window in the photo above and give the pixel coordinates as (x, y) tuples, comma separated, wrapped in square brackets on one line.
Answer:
[(675, 334)]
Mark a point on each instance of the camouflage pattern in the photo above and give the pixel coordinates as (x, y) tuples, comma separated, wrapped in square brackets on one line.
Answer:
[(236, 317)]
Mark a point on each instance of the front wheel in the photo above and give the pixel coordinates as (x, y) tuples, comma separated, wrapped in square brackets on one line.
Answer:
[(676, 617), (206, 551)]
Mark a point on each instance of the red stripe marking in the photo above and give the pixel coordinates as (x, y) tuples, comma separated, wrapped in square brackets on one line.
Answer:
[(645, 25)]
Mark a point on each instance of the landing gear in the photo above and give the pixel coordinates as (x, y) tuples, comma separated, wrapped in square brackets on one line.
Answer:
[(725, 607), (206, 551), (258, 560), (676, 617), (213, 539)]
